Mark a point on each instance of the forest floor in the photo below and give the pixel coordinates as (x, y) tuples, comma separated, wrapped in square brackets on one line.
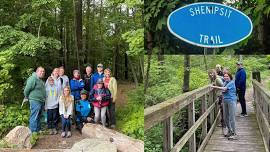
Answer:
[(57, 142)]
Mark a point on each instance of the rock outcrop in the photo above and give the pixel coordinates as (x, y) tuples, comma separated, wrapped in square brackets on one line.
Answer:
[(123, 143), (19, 136)]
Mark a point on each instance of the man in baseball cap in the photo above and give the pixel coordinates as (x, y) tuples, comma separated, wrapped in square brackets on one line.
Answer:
[(98, 75)]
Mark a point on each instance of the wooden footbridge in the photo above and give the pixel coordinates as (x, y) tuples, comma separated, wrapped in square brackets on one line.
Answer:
[(253, 132)]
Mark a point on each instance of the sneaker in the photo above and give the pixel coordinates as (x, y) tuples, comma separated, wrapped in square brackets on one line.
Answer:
[(54, 131), (242, 115), (233, 137), (228, 134), (245, 115), (50, 131), (68, 134), (113, 126), (63, 134)]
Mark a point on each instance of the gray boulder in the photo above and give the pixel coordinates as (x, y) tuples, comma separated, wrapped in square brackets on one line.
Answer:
[(123, 142), (19, 136), (93, 145)]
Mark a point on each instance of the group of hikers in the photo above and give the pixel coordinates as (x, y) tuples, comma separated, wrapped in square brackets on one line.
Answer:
[(228, 89), (90, 99)]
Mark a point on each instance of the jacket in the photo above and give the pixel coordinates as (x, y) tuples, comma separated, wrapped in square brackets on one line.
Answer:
[(104, 93), (62, 110), (35, 89), (87, 82), (95, 78), (112, 86), (240, 79), (76, 86)]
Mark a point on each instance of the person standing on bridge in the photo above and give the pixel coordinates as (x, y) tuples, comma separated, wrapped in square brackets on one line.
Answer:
[(229, 104), (219, 70), (216, 80), (240, 83), (35, 92)]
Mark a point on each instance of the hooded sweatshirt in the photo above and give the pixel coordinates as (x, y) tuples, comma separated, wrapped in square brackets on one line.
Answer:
[(52, 94), (35, 89)]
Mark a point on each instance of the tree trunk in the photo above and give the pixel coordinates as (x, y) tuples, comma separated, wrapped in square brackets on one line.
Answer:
[(142, 66), (39, 27), (78, 29), (116, 61), (126, 66), (87, 35), (149, 54), (204, 57), (186, 73), (133, 71), (65, 44)]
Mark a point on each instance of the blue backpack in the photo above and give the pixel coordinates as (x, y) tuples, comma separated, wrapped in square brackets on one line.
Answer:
[(83, 108)]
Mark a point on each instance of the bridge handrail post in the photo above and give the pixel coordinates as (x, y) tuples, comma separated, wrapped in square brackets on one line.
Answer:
[(168, 134), (203, 109), (191, 121)]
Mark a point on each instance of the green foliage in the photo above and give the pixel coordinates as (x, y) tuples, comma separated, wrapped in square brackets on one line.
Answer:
[(34, 138), (153, 142), (16, 48), (135, 39), (130, 118), (12, 116)]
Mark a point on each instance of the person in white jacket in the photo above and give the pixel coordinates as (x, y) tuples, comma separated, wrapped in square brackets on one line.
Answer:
[(66, 102), (51, 105), (65, 79)]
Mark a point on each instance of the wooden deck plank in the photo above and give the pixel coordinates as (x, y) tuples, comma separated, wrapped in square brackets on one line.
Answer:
[(248, 134)]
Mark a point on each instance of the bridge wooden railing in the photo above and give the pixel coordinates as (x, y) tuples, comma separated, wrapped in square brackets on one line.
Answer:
[(163, 113), (262, 109)]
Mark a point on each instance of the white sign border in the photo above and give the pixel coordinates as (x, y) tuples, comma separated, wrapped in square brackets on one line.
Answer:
[(202, 45)]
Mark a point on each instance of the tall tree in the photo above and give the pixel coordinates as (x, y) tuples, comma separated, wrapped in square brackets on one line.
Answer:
[(78, 29), (186, 73)]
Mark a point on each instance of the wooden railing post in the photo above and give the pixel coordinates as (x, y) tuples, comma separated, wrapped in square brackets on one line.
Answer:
[(203, 109), (215, 97), (191, 121), (256, 75), (211, 101), (167, 134)]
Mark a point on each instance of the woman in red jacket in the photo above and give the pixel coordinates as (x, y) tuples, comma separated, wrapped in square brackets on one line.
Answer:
[(100, 97)]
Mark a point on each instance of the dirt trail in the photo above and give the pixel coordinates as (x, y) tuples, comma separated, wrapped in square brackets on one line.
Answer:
[(57, 142)]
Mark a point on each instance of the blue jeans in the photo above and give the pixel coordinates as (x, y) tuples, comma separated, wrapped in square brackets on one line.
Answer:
[(229, 109), (66, 124), (36, 109), (52, 118)]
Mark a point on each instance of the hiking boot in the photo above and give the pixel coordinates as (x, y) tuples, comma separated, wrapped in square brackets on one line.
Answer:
[(232, 137), (68, 134), (63, 134), (54, 131), (50, 132)]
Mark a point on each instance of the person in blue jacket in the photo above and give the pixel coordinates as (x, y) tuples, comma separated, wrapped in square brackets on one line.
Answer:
[(96, 76), (83, 111), (240, 84), (76, 85)]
